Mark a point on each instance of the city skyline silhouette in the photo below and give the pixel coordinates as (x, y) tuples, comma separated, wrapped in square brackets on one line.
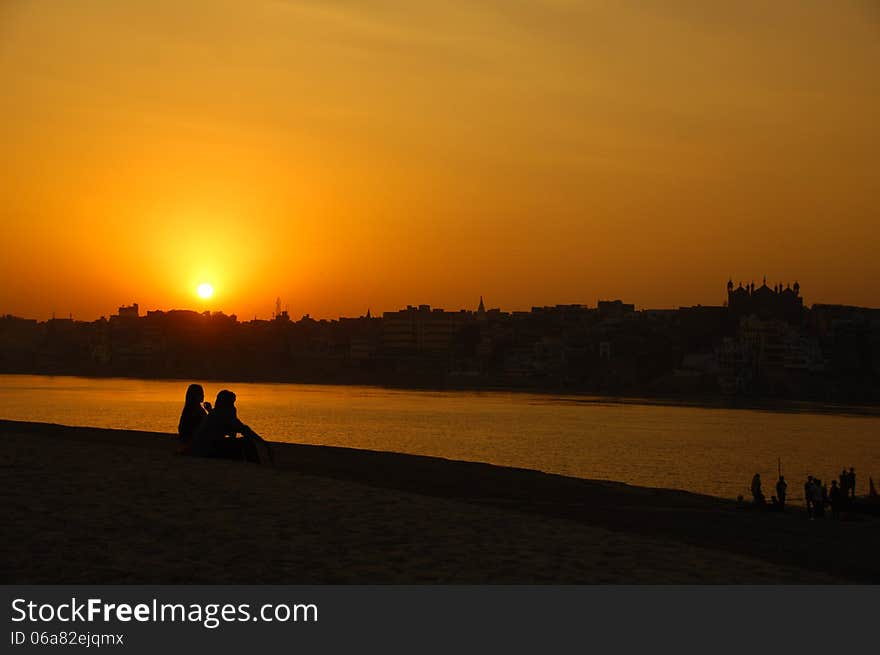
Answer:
[(279, 305), (759, 342)]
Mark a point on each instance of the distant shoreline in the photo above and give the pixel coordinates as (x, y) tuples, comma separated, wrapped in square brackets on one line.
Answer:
[(710, 401)]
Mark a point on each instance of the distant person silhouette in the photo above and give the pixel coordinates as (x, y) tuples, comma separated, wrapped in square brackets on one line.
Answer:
[(851, 482), (808, 495), (216, 436), (781, 487), (757, 494), (194, 411), (836, 496), (872, 490), (818, 499)]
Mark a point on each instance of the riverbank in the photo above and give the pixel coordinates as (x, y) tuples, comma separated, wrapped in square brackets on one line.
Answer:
[(86, 505)]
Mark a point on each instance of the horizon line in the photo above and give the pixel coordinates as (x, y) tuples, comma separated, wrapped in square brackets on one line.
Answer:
[(242, 319)]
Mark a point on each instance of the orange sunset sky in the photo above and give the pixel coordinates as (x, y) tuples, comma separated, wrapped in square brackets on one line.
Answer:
[(345, 154)]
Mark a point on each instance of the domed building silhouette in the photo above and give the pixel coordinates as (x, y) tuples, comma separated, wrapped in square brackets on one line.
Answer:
[(765, 302)]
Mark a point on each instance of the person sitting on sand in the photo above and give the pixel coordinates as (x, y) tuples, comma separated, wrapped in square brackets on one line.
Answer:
[(757, 495), (194, 411), (216, 436)]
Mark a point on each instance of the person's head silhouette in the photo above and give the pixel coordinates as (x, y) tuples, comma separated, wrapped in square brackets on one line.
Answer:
[(195, 394), (225, 400)]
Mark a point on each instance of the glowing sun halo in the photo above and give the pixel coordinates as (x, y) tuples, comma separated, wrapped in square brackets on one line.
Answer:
[(205, 290)]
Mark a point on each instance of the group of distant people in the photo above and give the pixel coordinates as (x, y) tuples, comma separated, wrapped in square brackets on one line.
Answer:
[(213, 431), (777, 501), (817, 495)]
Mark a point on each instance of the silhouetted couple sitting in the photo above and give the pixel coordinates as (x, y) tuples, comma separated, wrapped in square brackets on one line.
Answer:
[(207, 431)]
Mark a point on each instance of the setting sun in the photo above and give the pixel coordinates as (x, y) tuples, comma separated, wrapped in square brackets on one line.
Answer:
[(205, 290)]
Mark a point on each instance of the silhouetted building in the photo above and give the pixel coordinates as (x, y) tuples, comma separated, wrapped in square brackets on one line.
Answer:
[(128, 312), (765, 303), (420, 329), (614, 309)]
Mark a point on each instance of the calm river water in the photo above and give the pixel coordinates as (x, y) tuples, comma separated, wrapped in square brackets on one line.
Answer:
[(708, 450)]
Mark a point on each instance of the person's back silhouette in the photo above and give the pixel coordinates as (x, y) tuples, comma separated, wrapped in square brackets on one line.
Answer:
[(781, 487), (818, 498), (757, 494), (191, 417), (808, 495), (836, 496), (216, 436)]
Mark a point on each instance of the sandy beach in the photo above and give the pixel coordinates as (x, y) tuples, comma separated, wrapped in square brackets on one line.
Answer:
[(87, 505)]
